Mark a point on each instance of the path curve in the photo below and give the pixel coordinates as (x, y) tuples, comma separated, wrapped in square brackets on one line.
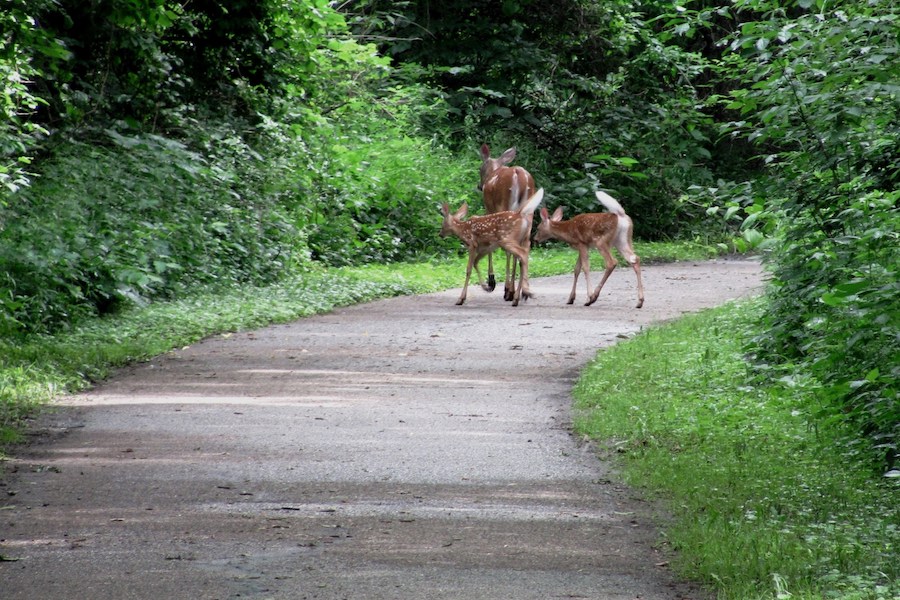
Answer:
[(402, 449)]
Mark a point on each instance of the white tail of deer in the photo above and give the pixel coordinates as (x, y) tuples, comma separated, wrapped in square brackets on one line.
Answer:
[(600, 230), (505, 188), (484, 234)]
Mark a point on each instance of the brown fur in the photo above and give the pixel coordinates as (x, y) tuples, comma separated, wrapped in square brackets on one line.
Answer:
[(484, 234), (505, 188), (600, 230)]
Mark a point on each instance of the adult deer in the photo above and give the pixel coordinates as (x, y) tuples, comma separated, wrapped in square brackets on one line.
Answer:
[(497, 188), (484, 234), (600, 230)]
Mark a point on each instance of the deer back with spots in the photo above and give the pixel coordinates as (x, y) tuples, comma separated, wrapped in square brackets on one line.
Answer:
[(602, 231), (484, 234), (500, 193)]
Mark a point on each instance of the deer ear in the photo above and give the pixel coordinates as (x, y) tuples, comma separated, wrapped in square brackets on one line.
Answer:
[(485, 152), (508, 156), (462, 211), (445, 209), (557, 214), (544, 215)]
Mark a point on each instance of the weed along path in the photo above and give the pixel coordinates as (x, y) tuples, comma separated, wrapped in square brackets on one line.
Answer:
[(402, 449)]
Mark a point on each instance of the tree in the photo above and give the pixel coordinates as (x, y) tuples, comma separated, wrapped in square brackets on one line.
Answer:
[(23, 43)]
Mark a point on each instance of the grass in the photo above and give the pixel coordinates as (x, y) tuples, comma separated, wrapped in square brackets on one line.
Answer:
[(763, 505)]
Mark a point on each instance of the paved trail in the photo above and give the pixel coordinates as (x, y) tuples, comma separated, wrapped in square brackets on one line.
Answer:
[(403, 449)]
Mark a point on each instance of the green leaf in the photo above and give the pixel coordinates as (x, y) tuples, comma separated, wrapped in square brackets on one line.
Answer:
[(850, 288), (832, 299), (754, 237)]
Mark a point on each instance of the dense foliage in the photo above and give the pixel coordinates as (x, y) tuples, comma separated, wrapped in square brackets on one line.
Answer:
[(153, 149), (148, 147), (586, 90), (817, 91), (199, 145)]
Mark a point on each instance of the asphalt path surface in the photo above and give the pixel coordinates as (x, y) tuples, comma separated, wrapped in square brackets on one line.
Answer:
[(402, 449)]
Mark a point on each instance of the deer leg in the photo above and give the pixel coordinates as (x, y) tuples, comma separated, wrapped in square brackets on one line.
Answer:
[(586, 267), (472, 262), (478, 275), (525, 242), (512, 265), (610, 264), (575, 282), (485, 286), (492, 281), (635, 261), (509, 286), (585, 256), (636, 265), (522, 255), (623, 245), (526, 289)]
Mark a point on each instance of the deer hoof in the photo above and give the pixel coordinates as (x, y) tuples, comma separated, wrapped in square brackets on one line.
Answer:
[(460, 301), (571, 301), (491, 284), (640, 303)]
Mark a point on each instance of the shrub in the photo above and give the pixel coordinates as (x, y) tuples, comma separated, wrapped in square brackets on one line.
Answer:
[(137, 218)]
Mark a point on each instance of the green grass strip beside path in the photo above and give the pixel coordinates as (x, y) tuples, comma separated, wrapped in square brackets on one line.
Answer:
[(764, 505)]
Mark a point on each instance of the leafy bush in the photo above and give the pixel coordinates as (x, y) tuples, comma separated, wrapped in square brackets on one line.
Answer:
[(589, 93), (819, 97), (21, 43), (836, 311), (136, 219), (373, 179)]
